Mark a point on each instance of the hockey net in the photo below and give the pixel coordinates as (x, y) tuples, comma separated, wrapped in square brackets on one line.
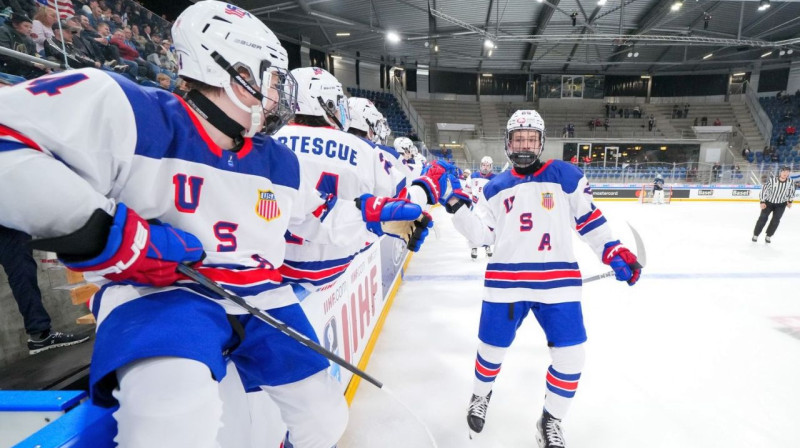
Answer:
[(646, 194)]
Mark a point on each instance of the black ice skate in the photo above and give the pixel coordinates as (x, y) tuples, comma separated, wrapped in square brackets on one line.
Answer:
[(476, 413), (548, 432), (767, 239), (488, 251), (474, 253)]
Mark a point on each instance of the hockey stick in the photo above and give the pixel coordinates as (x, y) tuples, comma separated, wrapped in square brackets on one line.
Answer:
[(641, 255), (294, 334)]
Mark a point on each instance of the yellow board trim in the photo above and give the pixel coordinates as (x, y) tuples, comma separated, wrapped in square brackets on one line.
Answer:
[(355, 380)]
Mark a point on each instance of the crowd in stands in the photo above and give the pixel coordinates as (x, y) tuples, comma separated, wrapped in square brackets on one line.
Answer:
[(113, 35), (784, 143), (622, 111)]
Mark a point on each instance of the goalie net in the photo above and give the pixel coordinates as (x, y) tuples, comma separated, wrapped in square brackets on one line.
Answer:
[(646, 194)]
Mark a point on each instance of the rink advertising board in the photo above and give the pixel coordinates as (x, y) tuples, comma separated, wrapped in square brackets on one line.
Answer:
[(348, 314), (681, 192)]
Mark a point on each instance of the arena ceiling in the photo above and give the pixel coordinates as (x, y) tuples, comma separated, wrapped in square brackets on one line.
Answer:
[(518, 36)]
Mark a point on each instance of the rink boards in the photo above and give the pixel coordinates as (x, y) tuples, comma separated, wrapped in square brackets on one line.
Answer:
[(682, 192)]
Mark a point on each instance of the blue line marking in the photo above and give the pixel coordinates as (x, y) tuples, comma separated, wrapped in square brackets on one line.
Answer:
[(646, 275)]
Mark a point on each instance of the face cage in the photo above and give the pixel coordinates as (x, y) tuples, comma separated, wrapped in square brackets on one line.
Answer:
[(286, 86), (486, 168), (522, 159)]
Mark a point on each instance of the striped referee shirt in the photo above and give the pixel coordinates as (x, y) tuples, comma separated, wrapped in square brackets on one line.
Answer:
[(777, 192)]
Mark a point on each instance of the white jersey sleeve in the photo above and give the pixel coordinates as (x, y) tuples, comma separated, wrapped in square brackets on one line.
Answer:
[(590, 223), (76, 158)]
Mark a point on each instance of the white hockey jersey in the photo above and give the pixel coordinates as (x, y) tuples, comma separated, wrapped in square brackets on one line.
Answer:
[(347, 166), (530, 220), (475, 183), (81, 140)]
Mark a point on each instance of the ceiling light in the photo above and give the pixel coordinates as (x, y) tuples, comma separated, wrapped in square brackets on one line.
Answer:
[(393, 37), (789, 51), (645, 76), (342, 34), (486, 75), (636, 55), (708, 56), (763, 4), (336, 56), (540, 1), (677, 5), (766, 54), (630, 54), (601, 2), (436, 48), (782, 52), (739, 74), (488, 43)]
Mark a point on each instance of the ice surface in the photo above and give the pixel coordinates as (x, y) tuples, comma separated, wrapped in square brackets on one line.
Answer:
[(703, 352)]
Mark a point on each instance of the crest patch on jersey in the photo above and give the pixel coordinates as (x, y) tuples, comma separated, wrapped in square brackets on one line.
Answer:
[(267, 205), (547, 201)]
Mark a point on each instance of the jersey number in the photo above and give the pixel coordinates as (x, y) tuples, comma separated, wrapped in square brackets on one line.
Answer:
[(52, 85), (328, 183)]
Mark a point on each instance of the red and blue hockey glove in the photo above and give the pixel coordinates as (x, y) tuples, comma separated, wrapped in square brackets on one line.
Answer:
[(624, 263), (456, 197), (398, 218), (140, 252), (435, 180)]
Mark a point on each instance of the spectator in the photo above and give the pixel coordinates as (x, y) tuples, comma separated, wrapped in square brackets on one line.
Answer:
[(65, 37), (598, 122), (704, 121), (650, 122), (737, 170), (591, 125), (674, 110), (574, 159), (791, 130), (571, 130), (16, 257), (180, 88), (773, 157), (717, 122), (637, 111), (716, 170), (586, 159), (164, 81), (21, 7), (746, 152), (608, 110), (686, 110), (42, 27), (15, 34), (781, 139), (695, 121), (606, 124)]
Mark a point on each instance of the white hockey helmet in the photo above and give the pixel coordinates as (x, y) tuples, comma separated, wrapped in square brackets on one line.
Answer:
[(658, 176), (486, 165), (365, 117), (384, 131), (404, 146), (320, 94), (529, 152), (467, 173), (214, 41), (414, 150)]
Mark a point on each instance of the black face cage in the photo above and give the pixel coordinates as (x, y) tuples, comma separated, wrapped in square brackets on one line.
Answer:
[(523, 158), (287, 103)]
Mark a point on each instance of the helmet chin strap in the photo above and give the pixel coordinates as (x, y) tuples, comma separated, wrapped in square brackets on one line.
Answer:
[(255, 112), (214, 115)]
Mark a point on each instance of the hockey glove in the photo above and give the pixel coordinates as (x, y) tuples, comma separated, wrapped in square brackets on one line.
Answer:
[(398, 218), (140, 252), (434, 180), (456, 192), (624, 263)]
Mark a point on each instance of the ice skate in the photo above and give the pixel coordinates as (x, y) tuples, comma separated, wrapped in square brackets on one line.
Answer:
[(488, 251), (474, 253), (548, 432), (476, 414)]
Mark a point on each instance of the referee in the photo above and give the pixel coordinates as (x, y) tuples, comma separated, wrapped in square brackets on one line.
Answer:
[(776, 194)]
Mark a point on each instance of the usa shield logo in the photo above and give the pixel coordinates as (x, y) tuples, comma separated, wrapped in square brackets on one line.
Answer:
[(547, 201), (267, 205)]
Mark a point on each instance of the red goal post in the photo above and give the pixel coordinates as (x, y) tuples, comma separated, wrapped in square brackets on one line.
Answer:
[(646, 194)]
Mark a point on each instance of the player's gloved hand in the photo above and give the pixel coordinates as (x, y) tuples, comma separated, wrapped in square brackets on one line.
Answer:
[(434, 180), (398, 218), (624, 263), (140, 252), (456, 197)]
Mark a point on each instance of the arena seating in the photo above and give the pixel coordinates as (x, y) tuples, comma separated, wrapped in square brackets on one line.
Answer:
[(782, 112), (387, 104)]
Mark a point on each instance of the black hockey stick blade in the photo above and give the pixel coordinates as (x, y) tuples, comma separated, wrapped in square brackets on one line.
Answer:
[(641, 255), (275, 323)]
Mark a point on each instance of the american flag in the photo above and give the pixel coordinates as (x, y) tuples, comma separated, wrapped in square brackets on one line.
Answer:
[(547, 201), (267, 205), (236, 11)]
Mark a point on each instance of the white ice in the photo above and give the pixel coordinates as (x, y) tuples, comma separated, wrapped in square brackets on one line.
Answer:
[(700, 353)]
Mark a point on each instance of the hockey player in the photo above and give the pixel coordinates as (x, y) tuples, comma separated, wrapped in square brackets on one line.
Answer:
[(405, 147), (337, 163), (534, 206), (658, 190), (466, 175), (474, 186), (105, 192)]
